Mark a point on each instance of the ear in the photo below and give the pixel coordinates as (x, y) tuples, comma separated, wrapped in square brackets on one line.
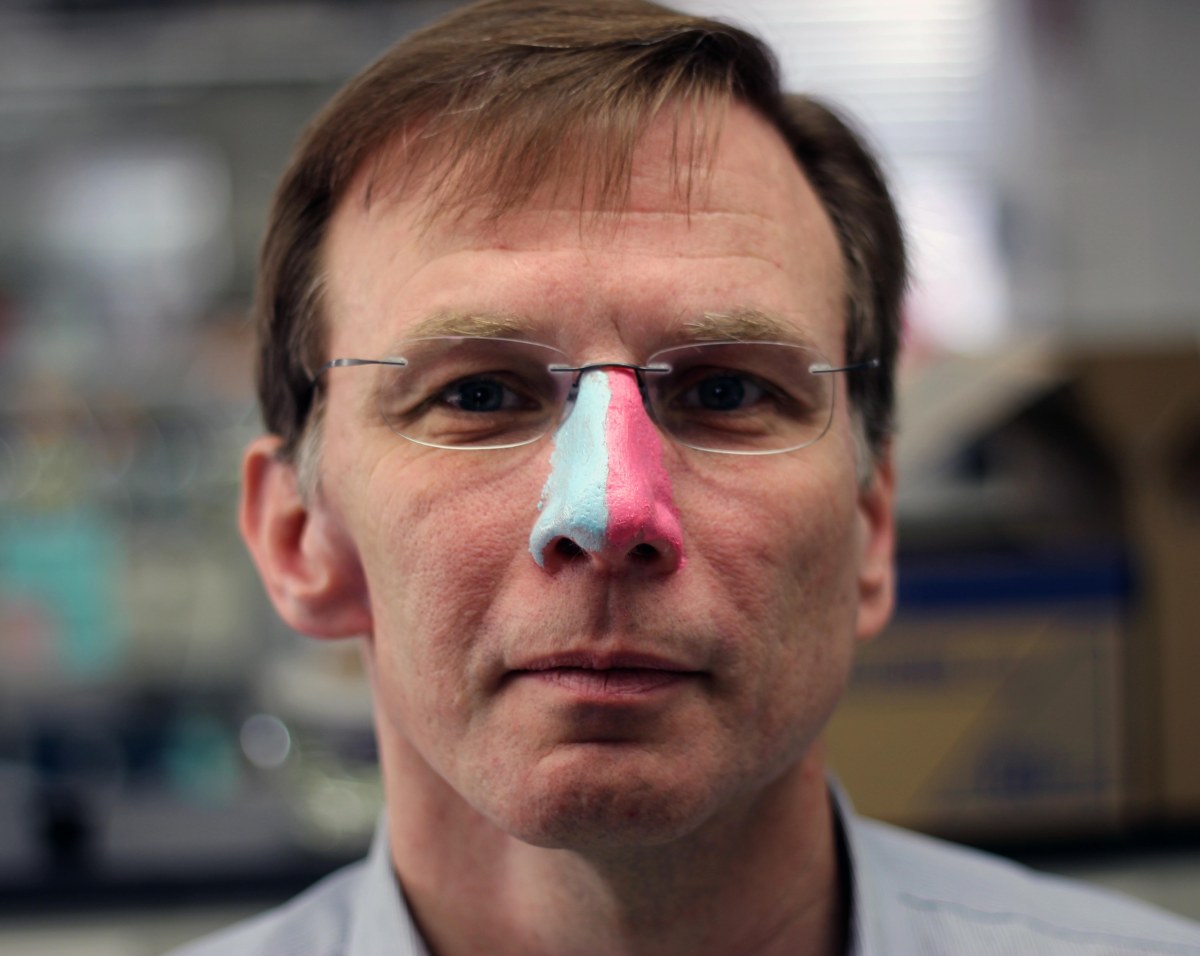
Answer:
[(307, 561), (877, 546)]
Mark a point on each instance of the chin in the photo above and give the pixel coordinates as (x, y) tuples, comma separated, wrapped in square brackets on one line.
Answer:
[(605, 805)]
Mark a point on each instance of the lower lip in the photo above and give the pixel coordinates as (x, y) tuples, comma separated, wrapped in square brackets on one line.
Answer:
[(615, 682)]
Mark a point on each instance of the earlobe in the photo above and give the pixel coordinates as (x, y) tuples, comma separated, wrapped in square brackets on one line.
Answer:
[(877, 565), (307, 562)]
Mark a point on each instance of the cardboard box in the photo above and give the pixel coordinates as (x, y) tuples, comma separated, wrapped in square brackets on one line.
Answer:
[(976, 716), (1144, 407), (1051, 452)]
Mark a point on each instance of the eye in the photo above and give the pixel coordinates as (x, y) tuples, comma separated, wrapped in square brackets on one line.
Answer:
[(722, 392), (481, 395)]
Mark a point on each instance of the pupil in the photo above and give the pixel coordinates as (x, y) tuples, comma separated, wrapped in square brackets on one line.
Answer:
[(480, 397), (722, 394)]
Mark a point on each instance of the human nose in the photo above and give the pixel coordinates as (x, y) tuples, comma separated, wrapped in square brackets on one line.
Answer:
[(608, 498)]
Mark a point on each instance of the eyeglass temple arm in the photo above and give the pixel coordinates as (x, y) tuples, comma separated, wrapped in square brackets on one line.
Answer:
[(825, 369), (350, 363)]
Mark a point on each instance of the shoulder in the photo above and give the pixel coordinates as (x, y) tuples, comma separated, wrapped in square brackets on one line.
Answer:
[(315, 923), (940, 898)]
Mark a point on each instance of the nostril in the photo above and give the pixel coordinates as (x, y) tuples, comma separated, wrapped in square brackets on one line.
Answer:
[(643, 552), (568, 549)]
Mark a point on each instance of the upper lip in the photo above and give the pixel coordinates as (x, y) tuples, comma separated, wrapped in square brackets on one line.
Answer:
[(599, 661)]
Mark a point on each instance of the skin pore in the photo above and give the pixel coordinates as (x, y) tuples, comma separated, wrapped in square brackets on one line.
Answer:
[(533, 808)]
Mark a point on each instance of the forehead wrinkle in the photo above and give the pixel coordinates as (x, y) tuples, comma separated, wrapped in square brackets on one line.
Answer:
[(635, 234)]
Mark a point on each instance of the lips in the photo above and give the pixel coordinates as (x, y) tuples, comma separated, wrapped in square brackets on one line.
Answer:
[(605, 675)]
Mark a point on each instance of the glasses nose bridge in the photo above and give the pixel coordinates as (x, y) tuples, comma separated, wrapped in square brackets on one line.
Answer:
[(578, 371)]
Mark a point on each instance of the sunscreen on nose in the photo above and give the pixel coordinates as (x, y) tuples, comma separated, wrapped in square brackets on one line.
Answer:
[(641, 505), (607, 486), (574, 500)]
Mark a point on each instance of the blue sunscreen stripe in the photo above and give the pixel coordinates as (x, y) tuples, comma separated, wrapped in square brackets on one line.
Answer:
[(573, 502)]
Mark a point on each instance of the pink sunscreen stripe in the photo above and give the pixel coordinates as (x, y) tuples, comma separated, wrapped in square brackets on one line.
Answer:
[(641, 505)]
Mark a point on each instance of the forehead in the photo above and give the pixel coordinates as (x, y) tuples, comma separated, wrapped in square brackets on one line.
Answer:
[(741, 231)]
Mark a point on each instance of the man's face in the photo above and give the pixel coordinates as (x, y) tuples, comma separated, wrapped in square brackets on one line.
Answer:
[(602, 698)]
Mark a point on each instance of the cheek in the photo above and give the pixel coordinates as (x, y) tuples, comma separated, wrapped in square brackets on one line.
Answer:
[(440, 536), (783, 555), (778, 541)]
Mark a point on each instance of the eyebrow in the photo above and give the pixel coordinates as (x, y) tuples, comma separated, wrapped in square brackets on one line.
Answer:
[(745, 325), (484, 325), (738, 325)]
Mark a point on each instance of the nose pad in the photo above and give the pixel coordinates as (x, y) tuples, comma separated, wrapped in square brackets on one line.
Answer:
[(608, 498)]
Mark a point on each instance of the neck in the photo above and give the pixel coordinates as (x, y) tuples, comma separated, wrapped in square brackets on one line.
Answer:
[(762, 880)]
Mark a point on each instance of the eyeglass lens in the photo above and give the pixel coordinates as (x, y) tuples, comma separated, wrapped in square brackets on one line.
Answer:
[(742, 397)]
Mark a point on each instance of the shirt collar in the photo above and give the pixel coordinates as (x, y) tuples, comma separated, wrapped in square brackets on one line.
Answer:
[(380, 922), (866, 930)]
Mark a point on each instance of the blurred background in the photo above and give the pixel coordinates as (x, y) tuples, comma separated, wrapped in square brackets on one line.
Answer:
[(171, 757)]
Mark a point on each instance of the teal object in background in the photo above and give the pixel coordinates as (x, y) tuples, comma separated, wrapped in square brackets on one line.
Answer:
[(201, 760), (60, 577)]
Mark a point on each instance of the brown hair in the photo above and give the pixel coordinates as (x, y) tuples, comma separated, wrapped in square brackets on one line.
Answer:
[(502, 96)]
